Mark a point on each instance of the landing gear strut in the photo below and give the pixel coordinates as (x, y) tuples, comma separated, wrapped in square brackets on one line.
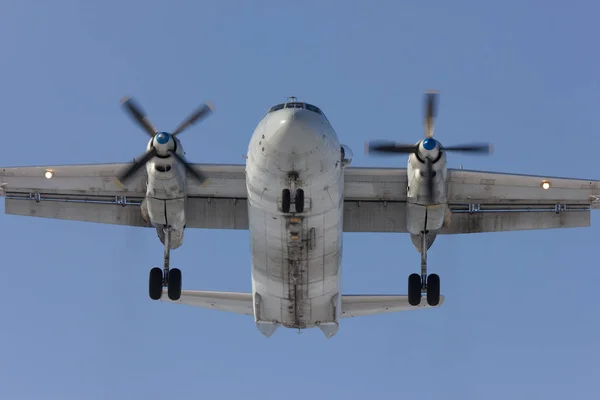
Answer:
[(169, 278), (423, 283)]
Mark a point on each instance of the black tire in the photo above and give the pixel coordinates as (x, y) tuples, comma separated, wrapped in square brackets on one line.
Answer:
[(286, 200), (414, 289), (433, 290), (299, 200), (174, 289), (155, 287)]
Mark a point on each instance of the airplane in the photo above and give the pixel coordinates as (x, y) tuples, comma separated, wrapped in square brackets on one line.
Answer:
[(297, 194)]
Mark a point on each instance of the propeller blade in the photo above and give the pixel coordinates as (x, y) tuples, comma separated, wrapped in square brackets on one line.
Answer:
[(430, 112), (137, 165), (390, 147), (429, 166), (202, 112), (483, 148), (135, 111), (198, 176)]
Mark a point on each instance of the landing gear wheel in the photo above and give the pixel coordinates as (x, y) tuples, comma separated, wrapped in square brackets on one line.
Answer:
[(286, 200), (299, 201), (414, 289), (174, 289), (433, 290), (156, 283)]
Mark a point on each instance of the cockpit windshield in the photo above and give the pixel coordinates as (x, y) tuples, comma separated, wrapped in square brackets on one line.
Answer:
[(297, 104)]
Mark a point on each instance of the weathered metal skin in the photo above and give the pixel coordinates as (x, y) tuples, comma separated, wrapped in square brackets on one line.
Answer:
[(296, 257)]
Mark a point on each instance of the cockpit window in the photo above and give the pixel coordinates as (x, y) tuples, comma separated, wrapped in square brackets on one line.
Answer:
[(277, 107), (306, 106), (316, 109), (294, 105)]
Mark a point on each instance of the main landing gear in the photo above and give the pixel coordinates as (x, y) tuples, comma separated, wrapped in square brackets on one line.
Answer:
[(423, 283), (171, 279)]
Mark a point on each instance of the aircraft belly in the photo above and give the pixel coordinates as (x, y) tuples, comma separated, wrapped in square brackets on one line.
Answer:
[(296, 258), (296, 284)]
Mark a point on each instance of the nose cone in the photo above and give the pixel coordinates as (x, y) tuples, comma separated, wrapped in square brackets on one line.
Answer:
[(296, 131)]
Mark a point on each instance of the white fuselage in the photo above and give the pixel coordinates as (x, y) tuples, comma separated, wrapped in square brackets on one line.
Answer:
[(296, 257)]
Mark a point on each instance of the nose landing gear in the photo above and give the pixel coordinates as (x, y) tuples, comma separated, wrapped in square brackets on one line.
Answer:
[(298, 195)]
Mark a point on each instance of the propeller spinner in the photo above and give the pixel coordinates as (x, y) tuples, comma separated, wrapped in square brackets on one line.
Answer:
[(163, 143), (428, 149)]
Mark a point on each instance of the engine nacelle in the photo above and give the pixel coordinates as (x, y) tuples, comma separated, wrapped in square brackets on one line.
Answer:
[(346, 155), (171, 208)]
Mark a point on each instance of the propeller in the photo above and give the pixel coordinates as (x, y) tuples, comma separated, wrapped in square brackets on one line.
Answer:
[(430, 112), (163, 144), (427, 149)]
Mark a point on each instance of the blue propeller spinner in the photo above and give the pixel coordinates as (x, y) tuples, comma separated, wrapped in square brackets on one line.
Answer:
[(429, 144), (163, 138)]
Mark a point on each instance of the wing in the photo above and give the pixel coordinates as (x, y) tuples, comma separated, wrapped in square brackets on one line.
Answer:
[(479, 201), (375, 198), (92, 193)]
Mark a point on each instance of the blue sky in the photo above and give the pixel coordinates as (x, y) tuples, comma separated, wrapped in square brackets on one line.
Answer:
[(521, 311)]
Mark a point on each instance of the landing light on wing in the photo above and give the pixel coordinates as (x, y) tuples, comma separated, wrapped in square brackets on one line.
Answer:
[(545, 185), (49, 174)]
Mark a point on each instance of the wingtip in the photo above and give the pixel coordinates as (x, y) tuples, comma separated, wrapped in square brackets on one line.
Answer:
[(210, 106), (366, 147)]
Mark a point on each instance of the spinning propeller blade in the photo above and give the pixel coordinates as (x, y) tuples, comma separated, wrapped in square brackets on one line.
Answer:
[(135, 166), (202, 112), (197, 175), (391, 147), (428, 147), (430, 112), (483, 148), (136, 113)]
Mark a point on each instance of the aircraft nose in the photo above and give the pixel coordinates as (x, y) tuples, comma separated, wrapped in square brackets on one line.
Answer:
[(296, 131)]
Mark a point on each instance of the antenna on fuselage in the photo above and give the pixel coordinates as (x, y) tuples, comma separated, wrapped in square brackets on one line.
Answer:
[(292, 99)]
